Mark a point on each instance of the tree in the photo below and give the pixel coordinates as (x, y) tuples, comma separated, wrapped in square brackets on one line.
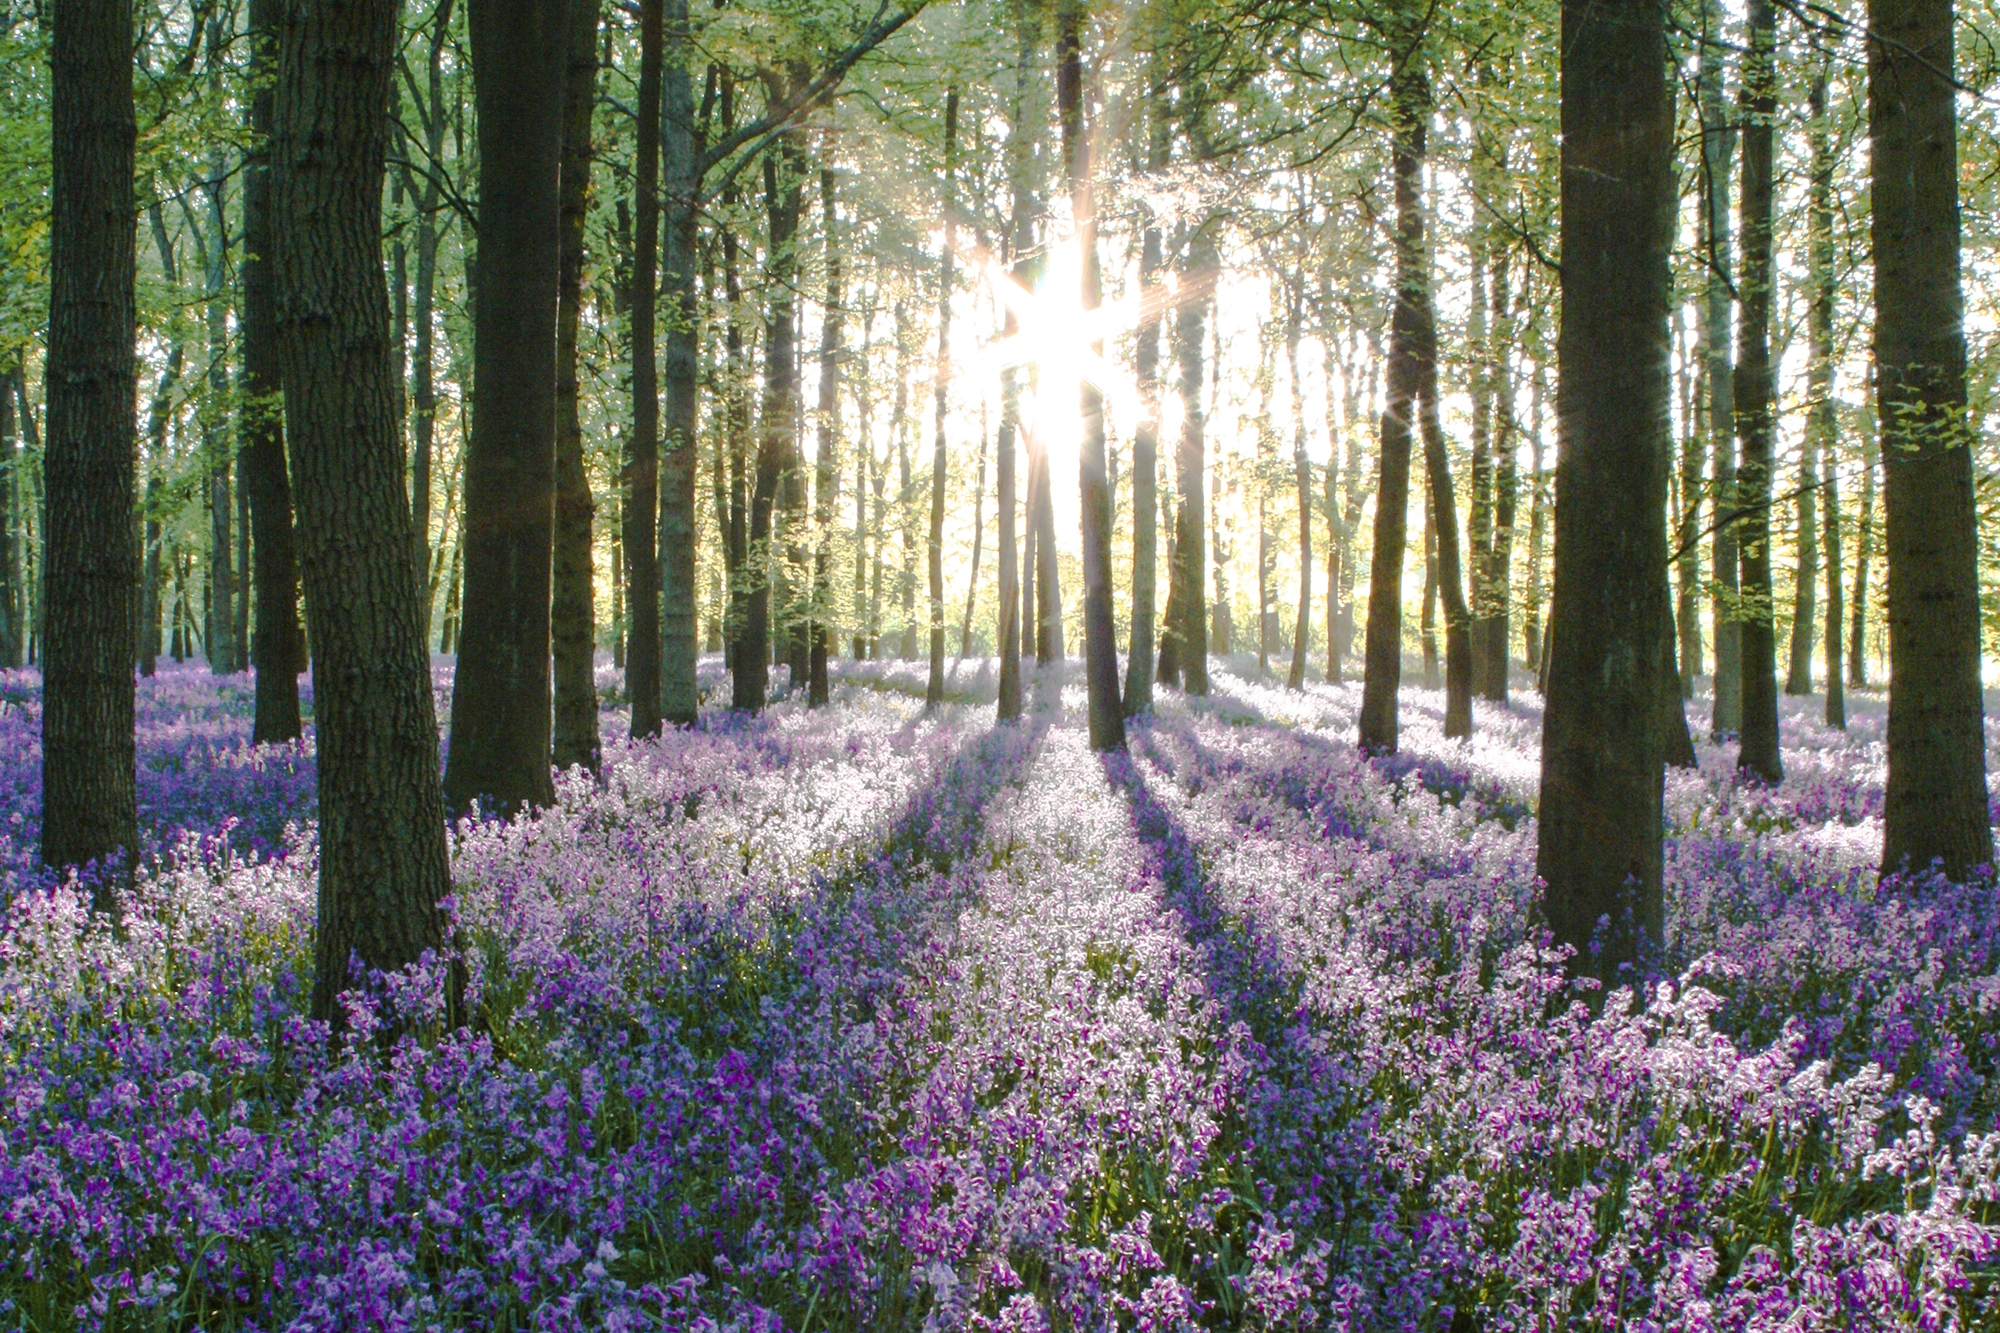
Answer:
[(682, 141), (641, 473), (1139, 662), (1718, 146), (941, 394), (1599, 836), (572, 598), (383, 864), (500, 704), (1100, 644), (1382, 663), (827, 478), (1756, 416), (260, 459), (90, 802), (1935, 808), (1821, 426)]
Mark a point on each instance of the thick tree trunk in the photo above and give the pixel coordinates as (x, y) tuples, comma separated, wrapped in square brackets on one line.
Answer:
[(573, 592), (1382, 667), (682, 144), (500, 705), (641, 470), (383, 863), (1755, 393), (89, 469), (1599, 842), (1718, 148), (941, 395), (1936, 807), (260, 461)]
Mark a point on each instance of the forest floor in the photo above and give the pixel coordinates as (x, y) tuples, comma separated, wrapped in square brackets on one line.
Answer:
[(865, 1018)]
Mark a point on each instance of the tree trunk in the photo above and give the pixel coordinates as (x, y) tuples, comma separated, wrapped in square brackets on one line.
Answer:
[(1755, 391), (1451, 578), (1936, 808), (941, 394), (1382, 668), (88, 755), (260, 458), (500, 706), (1718, 148), (1302, 475), (641, 471), (1805, 574), (1538, 518), (681, 142), (784, 183), (1864, 539), (1822, 430), (423, 370), (1100, 641), (1599, 839), (383, 862), (573, 593), (1187, 618), (1490, 643), (1140, 662), (827, 480), (1427, 618)]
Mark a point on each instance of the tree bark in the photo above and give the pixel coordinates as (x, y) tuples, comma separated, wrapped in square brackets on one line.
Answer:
[(90, 467), (1302, 476), (941, 394), (1184, 652), (383, 862), (1451, 578), (1140, 662), (573, 592), (1755, 392), (501, 704), (1936, 809), (1599, 833), (1821, 427), (1864, 540), (1382, 666), (641, 470), (1718, 148), (260, 460), (682, 143), (827, 479)]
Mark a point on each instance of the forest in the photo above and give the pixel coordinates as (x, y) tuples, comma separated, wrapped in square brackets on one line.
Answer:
[(1027, 665)]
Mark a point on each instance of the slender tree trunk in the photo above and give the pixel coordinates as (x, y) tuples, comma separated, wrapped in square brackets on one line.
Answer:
[(383, 865), (978, 536), (1755, 391), (934, 545), (1451, 578), (88, 755), (1427, 621), (1140, 662), (1864, 539), (1822, 429), (1496, 617), (864, 457), (682, 143), (1936, 808), (1538, 514), (1599, 849), (1100, 642), (423, 370), (1382, 668), (641, 471), (1187, 619), (827, 480), (261, 453), (573, 597), (784, 181), (1718, 148), (1302, 475), (159, 418), (1805, 575)]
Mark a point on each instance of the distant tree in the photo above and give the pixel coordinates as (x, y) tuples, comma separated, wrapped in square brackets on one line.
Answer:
[(640, 478), (500, 705), (383, 865), (1718, 147), (941, 393), (90, 470), (1599, 841), (1936, 805)]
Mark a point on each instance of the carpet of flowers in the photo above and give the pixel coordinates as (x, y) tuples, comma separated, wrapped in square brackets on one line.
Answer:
[(867, 1018)]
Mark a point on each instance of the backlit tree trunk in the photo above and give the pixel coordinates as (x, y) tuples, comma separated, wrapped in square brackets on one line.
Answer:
[(941, 394)]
